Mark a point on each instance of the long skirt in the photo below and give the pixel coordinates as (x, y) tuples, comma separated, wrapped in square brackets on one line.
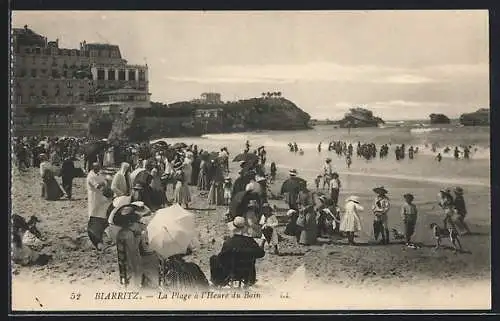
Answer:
[(95, 229), (216, 194), (253, 227), (51, 190), (182, 194), (202, 181), (158, 198), (350, 223), (291, 228)]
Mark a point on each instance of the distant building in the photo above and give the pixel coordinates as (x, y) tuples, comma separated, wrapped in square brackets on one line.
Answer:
[(208, 113), (211, 98), (47, 74)]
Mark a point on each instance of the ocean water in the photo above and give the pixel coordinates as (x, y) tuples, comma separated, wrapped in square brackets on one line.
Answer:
[(424, 167)]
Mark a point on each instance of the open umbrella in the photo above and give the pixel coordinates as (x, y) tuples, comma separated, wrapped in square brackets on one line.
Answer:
[(246, 157), (239, 203), (179, 145), (171, 231)]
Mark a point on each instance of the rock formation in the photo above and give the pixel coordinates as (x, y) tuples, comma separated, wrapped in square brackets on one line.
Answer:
[(439, 119), (195, 119), (481, 117), (359, 117)]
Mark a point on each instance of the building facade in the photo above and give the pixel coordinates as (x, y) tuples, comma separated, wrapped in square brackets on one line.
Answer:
[(44, 73)]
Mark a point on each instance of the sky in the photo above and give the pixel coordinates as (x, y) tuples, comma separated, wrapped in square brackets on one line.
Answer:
[(399, 64)]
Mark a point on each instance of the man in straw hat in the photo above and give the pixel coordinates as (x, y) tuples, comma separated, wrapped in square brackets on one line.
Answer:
[(409, 214), (461, 209), (291, 187), (380, 208), (240, 249)]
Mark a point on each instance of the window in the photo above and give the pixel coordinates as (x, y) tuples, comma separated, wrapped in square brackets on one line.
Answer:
[(27, 50), (55, 73), (38, 50), (111, 74), (19, 99), (44, 93), (22, 73), (93, 53), (81, 97), (121, 75), (142, 75), (65, 74), (131, 75), (100, 74), (43, 71), (33, 73)]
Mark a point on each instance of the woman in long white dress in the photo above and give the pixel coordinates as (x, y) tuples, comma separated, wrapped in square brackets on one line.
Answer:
[(350, 222)]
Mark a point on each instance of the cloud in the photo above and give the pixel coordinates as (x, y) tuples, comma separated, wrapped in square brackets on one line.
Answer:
[(404, 103), (331, 72), (405, 79)]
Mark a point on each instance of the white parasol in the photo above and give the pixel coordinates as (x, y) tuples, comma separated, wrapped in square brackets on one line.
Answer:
[(171, 231)]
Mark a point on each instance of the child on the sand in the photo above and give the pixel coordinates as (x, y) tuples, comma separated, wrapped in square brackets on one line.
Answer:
[(317, 181), (409, 215), (227, 187), (273, 172)]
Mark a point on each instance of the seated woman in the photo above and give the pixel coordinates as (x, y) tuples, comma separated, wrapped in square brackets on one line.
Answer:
[(21, 253), (237, 256), (176, 273)]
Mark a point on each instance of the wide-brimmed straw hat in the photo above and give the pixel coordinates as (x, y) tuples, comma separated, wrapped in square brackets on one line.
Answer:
[(408, 197), (380, 190), (293, 172), (459, 190), (290, 212), (237, 225), (352, 198)]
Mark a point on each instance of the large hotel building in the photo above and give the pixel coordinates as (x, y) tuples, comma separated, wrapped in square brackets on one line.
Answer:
[(93, 74)]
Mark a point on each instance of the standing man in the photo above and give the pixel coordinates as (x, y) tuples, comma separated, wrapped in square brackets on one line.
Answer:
[(97, 206), (335, 189), (380, 208), (67, 175)]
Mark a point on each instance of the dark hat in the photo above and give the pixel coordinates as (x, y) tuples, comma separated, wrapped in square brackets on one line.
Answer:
[(459, 190), (409, 197), (328, 160), (335, 175), (380, 190)]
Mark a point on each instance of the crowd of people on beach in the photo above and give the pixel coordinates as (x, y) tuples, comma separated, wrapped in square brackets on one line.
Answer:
[(127, 183)]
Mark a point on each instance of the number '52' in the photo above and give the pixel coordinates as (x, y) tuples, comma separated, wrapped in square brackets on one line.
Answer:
[(75, 296)]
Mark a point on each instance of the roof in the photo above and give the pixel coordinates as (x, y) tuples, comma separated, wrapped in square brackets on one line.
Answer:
[(122, 91), (28, 36)]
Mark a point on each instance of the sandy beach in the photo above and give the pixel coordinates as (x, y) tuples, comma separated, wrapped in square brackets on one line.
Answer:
[(366, 268)]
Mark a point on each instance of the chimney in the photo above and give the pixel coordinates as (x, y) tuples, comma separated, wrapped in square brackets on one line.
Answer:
[(26, 27), (57, 42)]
